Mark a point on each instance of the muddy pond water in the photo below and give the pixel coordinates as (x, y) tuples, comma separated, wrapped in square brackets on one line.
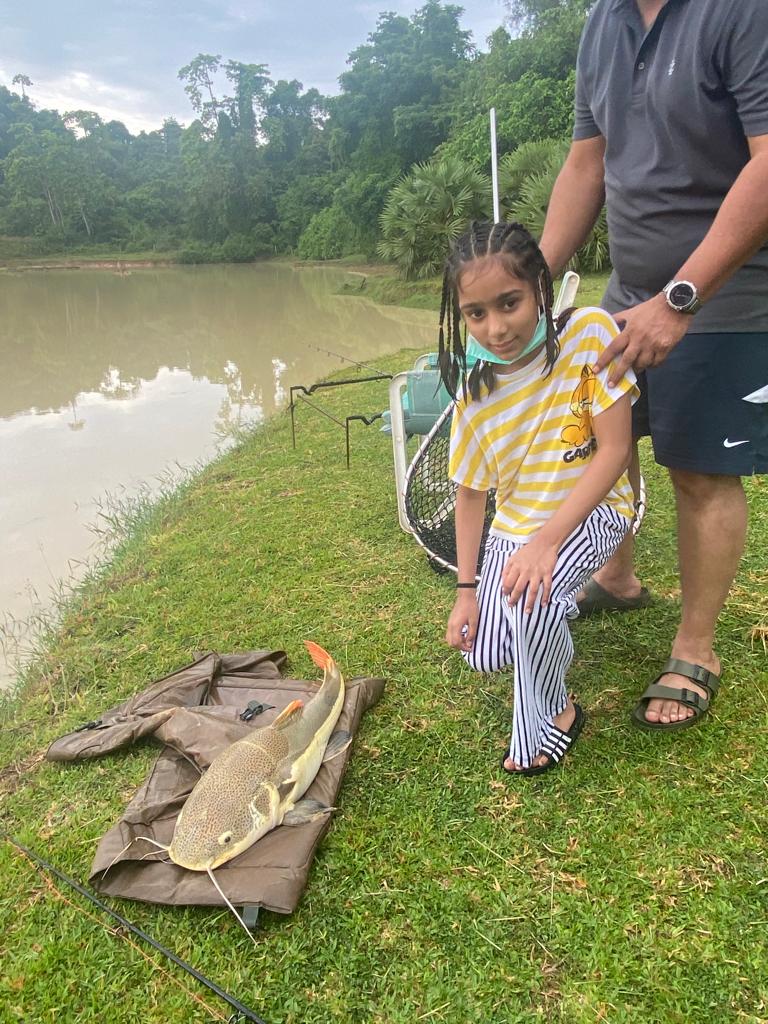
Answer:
[(112, 380)]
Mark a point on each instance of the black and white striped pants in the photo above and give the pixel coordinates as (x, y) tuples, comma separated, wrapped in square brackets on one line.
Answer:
[(539, 644)]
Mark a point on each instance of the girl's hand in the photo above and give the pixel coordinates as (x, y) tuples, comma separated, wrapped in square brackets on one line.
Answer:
[(462, 622), (532, 567)]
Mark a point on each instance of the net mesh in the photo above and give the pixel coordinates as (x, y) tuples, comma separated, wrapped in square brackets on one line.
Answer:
[(430, 498)]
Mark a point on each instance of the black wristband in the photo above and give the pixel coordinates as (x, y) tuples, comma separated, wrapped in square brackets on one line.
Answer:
[(466, 586)]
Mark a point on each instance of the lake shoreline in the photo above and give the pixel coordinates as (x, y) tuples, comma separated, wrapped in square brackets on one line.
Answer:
[(334, 331), (378, 282), (80, 264)]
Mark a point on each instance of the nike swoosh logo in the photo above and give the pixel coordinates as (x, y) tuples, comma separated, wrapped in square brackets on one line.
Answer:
[(733, 444)]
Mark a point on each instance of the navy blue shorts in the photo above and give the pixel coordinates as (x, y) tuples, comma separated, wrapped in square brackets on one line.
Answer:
[(706, 407)]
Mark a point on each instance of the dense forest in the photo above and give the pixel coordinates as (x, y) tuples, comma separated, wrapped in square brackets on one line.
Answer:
[(392, 165)]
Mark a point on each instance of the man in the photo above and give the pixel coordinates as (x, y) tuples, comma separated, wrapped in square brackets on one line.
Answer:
[(671, 130)]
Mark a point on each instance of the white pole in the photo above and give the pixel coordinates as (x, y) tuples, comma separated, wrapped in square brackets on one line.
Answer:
[(494, 169)]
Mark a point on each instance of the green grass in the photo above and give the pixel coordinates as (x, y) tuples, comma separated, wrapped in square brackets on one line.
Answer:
[(381, 283), (628, 886), (591, 288), (390, 289)]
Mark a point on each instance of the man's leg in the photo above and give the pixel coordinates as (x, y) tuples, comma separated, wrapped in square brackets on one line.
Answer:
[(617, 576), (711, 529)]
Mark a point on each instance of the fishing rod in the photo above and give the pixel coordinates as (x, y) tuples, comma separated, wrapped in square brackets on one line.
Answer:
[(346, 359), (295, 390), (241, 1011)]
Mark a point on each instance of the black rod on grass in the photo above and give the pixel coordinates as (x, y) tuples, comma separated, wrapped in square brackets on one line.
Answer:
[(239, 1007)]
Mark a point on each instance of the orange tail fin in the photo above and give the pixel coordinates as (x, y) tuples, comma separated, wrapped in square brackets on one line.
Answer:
[(320, 657)]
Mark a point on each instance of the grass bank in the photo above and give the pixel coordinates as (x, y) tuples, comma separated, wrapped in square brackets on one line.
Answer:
[(382, 283), (39, 254), (31, 253), (627, 887)]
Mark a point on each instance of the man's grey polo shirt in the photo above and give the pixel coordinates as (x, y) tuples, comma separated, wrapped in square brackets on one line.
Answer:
[(675, 105)]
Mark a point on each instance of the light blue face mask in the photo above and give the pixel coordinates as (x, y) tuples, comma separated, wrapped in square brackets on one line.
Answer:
[(476, 351)]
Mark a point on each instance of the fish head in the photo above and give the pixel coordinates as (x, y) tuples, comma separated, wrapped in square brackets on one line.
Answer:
[(207, 836)]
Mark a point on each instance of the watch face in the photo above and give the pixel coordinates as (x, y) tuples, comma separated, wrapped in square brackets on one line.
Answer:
[(681, 294)]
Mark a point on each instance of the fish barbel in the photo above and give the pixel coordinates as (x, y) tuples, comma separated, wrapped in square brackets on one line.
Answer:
[(257, 783)]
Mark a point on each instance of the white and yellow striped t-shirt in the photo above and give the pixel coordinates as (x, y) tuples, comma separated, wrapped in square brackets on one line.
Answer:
[(532, 436)]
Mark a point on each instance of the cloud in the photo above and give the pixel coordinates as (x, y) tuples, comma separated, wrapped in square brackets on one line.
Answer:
[(251, 13), (122, 60), (79, 90)]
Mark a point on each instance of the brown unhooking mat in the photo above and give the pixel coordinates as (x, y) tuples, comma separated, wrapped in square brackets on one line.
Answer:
[(196, 712)]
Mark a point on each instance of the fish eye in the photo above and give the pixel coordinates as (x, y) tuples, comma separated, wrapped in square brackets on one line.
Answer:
[(224, 838)]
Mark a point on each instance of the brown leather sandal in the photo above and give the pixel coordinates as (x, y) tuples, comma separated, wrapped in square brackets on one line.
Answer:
[(690, 698)]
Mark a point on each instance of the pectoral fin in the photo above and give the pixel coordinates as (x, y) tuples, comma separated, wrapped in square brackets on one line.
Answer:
[(306, 810), (337, 744), (285, 788)]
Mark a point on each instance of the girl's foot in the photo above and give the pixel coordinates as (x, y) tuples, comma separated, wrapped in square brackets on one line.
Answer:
[(563, 721)]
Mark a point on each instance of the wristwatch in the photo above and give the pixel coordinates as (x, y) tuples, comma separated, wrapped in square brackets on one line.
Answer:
[(682, 297)]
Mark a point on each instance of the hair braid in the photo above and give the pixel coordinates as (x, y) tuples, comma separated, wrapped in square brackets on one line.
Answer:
[(522, 256)]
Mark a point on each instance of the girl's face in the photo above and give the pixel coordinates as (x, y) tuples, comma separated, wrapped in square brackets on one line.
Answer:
[(500, 309)]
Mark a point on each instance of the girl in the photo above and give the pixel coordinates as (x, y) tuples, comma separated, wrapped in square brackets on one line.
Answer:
[(533, 421)]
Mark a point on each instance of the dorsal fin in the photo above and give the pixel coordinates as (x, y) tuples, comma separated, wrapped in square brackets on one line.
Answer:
[(289, 715)]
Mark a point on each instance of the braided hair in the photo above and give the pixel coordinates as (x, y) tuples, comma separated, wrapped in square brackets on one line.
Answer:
[(522, 257)]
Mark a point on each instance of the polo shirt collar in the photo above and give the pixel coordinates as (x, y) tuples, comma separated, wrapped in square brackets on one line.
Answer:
[(631, 5)]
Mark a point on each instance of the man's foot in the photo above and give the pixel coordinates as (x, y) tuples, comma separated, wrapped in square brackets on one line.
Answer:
[(594, 597), (563, 721), (666, 711)]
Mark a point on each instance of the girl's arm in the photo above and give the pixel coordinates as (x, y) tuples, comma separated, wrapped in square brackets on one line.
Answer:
[(534, 564), (470, 515)]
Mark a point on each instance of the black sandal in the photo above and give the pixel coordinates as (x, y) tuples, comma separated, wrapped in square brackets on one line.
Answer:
[(598, 599), (555, 747), (657, 691)]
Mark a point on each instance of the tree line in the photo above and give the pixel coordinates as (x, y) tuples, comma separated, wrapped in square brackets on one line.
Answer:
[(393, 165)]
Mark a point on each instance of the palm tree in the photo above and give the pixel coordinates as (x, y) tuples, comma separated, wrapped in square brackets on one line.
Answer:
[(426, 209), (22, 80), (526, 179), (528, 159)]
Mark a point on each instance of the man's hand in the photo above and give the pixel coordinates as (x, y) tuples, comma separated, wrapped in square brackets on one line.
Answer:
[(462, 622), (649, 332), (532, 567)]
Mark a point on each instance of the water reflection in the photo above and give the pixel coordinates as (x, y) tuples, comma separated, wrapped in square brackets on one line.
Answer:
[(65, 333), (107, 378)]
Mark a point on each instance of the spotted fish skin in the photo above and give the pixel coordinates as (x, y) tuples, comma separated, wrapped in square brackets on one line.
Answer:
[(252, 785)]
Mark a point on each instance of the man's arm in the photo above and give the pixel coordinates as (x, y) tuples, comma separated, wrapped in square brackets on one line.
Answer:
[(651, 330), (575, 204), (738, 230)]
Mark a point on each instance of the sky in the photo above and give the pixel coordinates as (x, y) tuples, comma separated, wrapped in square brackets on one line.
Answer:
[(122, 59)]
